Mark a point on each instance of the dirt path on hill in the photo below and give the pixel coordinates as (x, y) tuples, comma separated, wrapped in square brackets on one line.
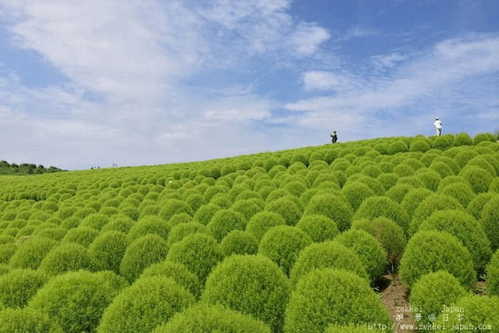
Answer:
[(394, 298)]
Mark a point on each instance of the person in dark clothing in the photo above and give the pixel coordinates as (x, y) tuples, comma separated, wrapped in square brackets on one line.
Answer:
[(334, 137)]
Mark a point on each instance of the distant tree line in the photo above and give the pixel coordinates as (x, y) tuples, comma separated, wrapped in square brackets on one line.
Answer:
[(7, 168)]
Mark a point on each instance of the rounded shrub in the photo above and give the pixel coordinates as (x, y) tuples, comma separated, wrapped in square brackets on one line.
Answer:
[(475, 207), (67, 257), (493, 275), (432, 292), (462, 139), (142, 253), (471, 313), (483, 137), (237, 284), (149, 302), (182, 230), (478, 178), (149, 225), (19, 285), (282, 244), (388, 180), (179, 218), (74, 300), (172, 207), (261, 222), (375, 207), (108, 250), (81, 235), (431, 251), (428, 206), (239, 242), (225, 221), (465, 228), (205, 213), (31, 252), (490, 221), (203, 318), (398, 192), (327, 297), (369, 250), (27, 320), (287, 208), (356, 193), (177, 272), (397, 146), (326, 255), (332, 206), (390, 235), (248, 207), (198, 252), (459, 191), (96, 221), (7, 251), (420, 145)]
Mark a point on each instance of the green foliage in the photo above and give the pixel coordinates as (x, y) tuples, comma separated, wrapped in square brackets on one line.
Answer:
[(471, 313), (248, 207), (282, 244), (239, 242), (81, 235), (465, 228), (31, 252), (493, 275), (383, 207), (261, 222), (430, 251), (96, 221), (27, 320), (484, 137), (287, 208), (225, 221), (459, 191), (326, 255), (326, 296), (369, 250), (67, 257), (356, 193), (390, 235), (203, 318), (478, 178), (432, 292), (142, 253), (75, 300), (332, 206), (198, 252), (237, 284), (205, 213), (490, 221), (178, 273), (462, 139), (421, 145), (108, 250), (149, 302), (428, 206), (149, 225), (19, 285), (475, 207), (320, 228), (182, 230), (6, 252), (172, 207)]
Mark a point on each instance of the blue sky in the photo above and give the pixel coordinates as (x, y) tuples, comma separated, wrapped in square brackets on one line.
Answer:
[(146, 82)]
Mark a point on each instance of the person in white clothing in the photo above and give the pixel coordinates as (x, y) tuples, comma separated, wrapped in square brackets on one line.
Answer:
[(438, 126)]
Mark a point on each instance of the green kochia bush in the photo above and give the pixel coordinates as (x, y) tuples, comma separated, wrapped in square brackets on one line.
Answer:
[(178, 273), (413, 198), (320, 228), (96, 221), (428, 206), (205, 213), (430, 251), (332, 206), (490, 221), (198, 252), (388, 233), (369, 250), (239, 242), (172, 207), (433, 291), (383, 207), (81, 235), (282, 244), (149, 302), (356, 193), (148, 225), (493, 275), (18, 286), (203, 318), (287, 208), (27, 320), (465, 228), (460, 191), (326, 296), (6, 252), (31, 252), (327, 255), (237, 283), (142, 253), (225, 221), (471, 312), (182, 230), (475, 207), (67, 257), (75, 300), (261, 222), (108, 250), (478, 178)]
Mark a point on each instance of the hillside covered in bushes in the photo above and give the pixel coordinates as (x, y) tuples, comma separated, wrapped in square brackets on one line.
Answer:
[(7, 168), (290, 241)]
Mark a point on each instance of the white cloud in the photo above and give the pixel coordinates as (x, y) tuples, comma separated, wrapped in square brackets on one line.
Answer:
[(322, 80), (307, 38), (388, 60)]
